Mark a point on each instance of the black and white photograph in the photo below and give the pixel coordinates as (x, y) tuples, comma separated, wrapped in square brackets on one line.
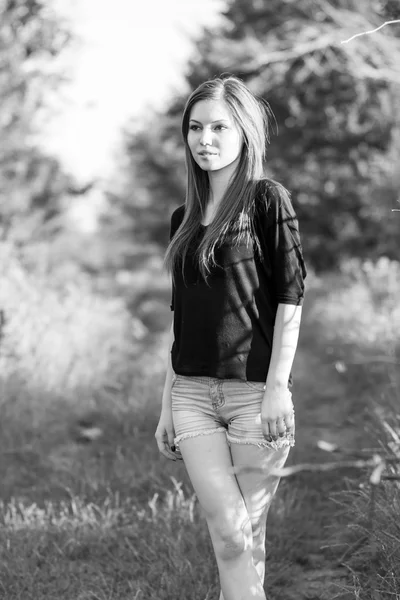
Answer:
[(200, 300)]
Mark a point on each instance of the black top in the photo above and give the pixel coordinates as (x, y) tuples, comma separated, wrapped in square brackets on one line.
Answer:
[(224, 328)]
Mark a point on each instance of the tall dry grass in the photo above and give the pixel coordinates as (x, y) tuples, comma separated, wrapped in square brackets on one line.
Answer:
[(60, 335), (362, 312), (88, 510)]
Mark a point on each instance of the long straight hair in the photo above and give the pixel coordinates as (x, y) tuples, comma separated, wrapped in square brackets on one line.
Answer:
[(235, 211)]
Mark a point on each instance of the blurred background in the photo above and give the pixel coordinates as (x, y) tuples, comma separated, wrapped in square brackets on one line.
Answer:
[(91, 168)]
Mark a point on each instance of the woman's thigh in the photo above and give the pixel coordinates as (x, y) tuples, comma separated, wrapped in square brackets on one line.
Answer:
[(258, 488), (249, 448), (208, 462), (257, 484)]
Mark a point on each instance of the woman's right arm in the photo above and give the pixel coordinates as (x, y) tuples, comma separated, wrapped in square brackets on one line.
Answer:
[(165, 430), (166, 397)]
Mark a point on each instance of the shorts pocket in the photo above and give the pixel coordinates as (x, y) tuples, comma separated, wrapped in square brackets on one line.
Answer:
[(259, 386)]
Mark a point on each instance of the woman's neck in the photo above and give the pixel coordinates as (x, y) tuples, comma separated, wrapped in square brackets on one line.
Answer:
[(219, 181)]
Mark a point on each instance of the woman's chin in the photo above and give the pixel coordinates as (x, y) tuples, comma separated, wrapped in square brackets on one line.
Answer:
[(206, 167)]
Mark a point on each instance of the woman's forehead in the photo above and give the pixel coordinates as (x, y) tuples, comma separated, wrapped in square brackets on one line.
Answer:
[(207, 111)]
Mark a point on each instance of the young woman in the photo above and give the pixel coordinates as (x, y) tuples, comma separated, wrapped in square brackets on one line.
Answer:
[(238, 287)]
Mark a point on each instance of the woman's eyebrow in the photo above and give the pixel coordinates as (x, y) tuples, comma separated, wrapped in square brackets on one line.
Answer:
[(217, 121)]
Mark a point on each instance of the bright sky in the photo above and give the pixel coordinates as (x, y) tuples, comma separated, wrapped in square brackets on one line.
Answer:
[(131, 55)]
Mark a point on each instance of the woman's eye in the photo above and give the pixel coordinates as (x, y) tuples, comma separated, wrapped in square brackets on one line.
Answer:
[(194, 127), (220, 127)]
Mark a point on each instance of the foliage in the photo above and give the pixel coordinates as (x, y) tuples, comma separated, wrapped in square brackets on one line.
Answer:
[(390, 9), (152, 179), (361, 316), (337, 111), (374, 286), (60, 335), (31, 183), (88, 507)]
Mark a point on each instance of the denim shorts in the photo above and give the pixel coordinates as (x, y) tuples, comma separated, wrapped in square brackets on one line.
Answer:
[(205, 405)]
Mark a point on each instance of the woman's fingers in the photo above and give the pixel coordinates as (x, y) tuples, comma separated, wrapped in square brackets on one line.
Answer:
[(281, 427), (289, 420), (165, 447), (166, 451), (272, 429), (269, 428)]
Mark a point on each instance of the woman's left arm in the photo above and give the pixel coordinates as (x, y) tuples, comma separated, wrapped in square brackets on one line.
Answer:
[(277, 403), (283, 245)]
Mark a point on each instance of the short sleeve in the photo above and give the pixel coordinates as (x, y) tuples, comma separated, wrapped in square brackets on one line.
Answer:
[(176, 220), (282, 240)]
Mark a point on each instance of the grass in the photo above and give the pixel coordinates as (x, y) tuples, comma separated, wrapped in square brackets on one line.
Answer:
[(368, 331), (88, 508), (374, 530), (84, 550)]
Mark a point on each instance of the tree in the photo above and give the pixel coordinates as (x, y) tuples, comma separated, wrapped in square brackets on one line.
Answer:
[(30, 182), (336, 105)]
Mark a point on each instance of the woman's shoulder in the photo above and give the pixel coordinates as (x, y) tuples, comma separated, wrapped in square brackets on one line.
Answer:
[(177, 215), (271, 196), (178, 212), (176, 220)]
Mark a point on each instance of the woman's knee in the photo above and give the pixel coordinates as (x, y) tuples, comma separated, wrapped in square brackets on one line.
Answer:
[(231, 538)]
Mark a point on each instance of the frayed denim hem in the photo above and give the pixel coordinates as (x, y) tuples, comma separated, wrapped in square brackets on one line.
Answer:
[(282, 442), (193, 434)]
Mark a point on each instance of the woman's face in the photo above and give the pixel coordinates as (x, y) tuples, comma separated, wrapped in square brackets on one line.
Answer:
[(213, 137)]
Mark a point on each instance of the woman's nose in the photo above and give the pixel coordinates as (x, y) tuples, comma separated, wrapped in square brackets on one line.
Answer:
[(206, 137)]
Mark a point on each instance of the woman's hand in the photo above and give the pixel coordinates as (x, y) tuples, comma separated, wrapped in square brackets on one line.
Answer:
[(277, 414), (165, 435)]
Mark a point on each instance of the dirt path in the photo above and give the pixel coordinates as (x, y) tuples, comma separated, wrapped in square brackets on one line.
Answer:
[(328, 408)]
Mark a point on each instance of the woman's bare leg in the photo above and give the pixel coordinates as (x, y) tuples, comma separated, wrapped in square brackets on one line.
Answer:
[(257, 492), (208, 462)]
